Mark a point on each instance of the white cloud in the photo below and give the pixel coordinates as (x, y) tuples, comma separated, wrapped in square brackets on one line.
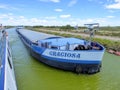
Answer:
[(10, 14), (55, 1), (51, 17), (6, 16), (115, 5), (72, 2), (11, 19), (100, 2), (65, 16), (7, 7), (22, 17), (58, 10), (81, 22), (110, 16), (3, 6), (90, 0), (111, 11)]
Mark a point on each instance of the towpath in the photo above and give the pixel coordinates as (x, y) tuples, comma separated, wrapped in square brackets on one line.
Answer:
[(84, 35)]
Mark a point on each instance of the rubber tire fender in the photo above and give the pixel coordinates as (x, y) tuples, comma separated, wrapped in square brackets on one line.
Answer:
[(78, 69)]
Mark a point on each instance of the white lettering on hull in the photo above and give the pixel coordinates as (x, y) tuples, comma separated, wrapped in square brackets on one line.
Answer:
[(74, 55)]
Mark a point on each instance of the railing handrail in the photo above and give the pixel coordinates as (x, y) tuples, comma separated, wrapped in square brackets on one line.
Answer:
[(2, 48)]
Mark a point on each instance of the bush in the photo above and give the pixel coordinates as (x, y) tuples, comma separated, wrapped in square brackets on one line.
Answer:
[(108, 44), (66, 28)]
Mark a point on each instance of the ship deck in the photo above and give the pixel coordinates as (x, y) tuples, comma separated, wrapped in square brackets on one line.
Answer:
[(34, 36), (63, 41)]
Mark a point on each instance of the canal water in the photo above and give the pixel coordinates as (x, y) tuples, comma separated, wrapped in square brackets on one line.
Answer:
[(34, 75)]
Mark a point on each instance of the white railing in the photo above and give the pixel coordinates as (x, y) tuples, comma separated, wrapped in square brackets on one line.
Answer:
[(2, 46)]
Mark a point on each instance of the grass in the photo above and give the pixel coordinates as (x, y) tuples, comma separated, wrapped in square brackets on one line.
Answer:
[(108, 44), (103, 31)]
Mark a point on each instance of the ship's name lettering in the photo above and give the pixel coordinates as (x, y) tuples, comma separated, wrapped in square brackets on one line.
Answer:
[(64, 54)]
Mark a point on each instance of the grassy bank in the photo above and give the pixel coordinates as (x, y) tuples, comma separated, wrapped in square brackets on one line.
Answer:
[(115, 45), (103, 31)]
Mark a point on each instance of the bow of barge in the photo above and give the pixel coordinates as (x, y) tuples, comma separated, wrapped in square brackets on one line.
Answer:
[(70, 54)]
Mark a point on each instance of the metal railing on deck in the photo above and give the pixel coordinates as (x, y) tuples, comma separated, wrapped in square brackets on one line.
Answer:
[(2, 48)]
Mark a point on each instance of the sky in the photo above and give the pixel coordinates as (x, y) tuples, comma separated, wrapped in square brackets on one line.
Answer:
[(60, 12)]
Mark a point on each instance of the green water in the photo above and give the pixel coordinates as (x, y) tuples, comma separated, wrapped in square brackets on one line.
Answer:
[(33, 75)]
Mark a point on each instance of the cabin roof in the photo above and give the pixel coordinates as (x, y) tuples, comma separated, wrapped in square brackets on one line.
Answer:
[(63, 41)]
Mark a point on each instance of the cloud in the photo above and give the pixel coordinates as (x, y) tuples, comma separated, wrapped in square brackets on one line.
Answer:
[(111, 11), (72, 3), (100, 2), (58, 10), (105, 21), (110, 16), (55, 1), (50, 17), (3, 6), (115, 5), (65, 16), (7, 7), (6, 16), (11, 19)]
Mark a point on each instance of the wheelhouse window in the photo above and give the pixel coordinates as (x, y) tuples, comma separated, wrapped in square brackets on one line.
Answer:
[(54, 47)]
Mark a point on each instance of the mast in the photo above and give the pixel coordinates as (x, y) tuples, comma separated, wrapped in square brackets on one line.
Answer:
[(92, 28), (0, 26)]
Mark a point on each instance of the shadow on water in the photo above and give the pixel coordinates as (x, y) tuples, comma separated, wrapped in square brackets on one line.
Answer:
[(33, 75)]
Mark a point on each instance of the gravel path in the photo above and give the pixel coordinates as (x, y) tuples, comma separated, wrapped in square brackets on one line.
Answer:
[(85, 35)]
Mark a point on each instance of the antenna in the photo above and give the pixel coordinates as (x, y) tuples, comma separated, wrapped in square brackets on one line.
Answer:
[(92, 28), (76, 27), (0, 26)]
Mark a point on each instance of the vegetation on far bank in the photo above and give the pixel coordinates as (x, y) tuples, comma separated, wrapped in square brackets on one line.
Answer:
[(115, 45), (103, 31), (8, 27)]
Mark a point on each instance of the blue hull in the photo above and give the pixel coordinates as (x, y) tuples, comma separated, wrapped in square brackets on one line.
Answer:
[(7, 76), (77, 67)]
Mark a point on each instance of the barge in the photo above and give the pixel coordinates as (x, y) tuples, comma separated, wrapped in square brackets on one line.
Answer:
[(71, 54), (7, 76)]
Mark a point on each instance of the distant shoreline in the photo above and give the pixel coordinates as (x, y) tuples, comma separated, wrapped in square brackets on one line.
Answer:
[(110, 44)]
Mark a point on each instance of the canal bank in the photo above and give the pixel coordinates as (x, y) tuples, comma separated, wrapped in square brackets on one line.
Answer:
[(33, 75)]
